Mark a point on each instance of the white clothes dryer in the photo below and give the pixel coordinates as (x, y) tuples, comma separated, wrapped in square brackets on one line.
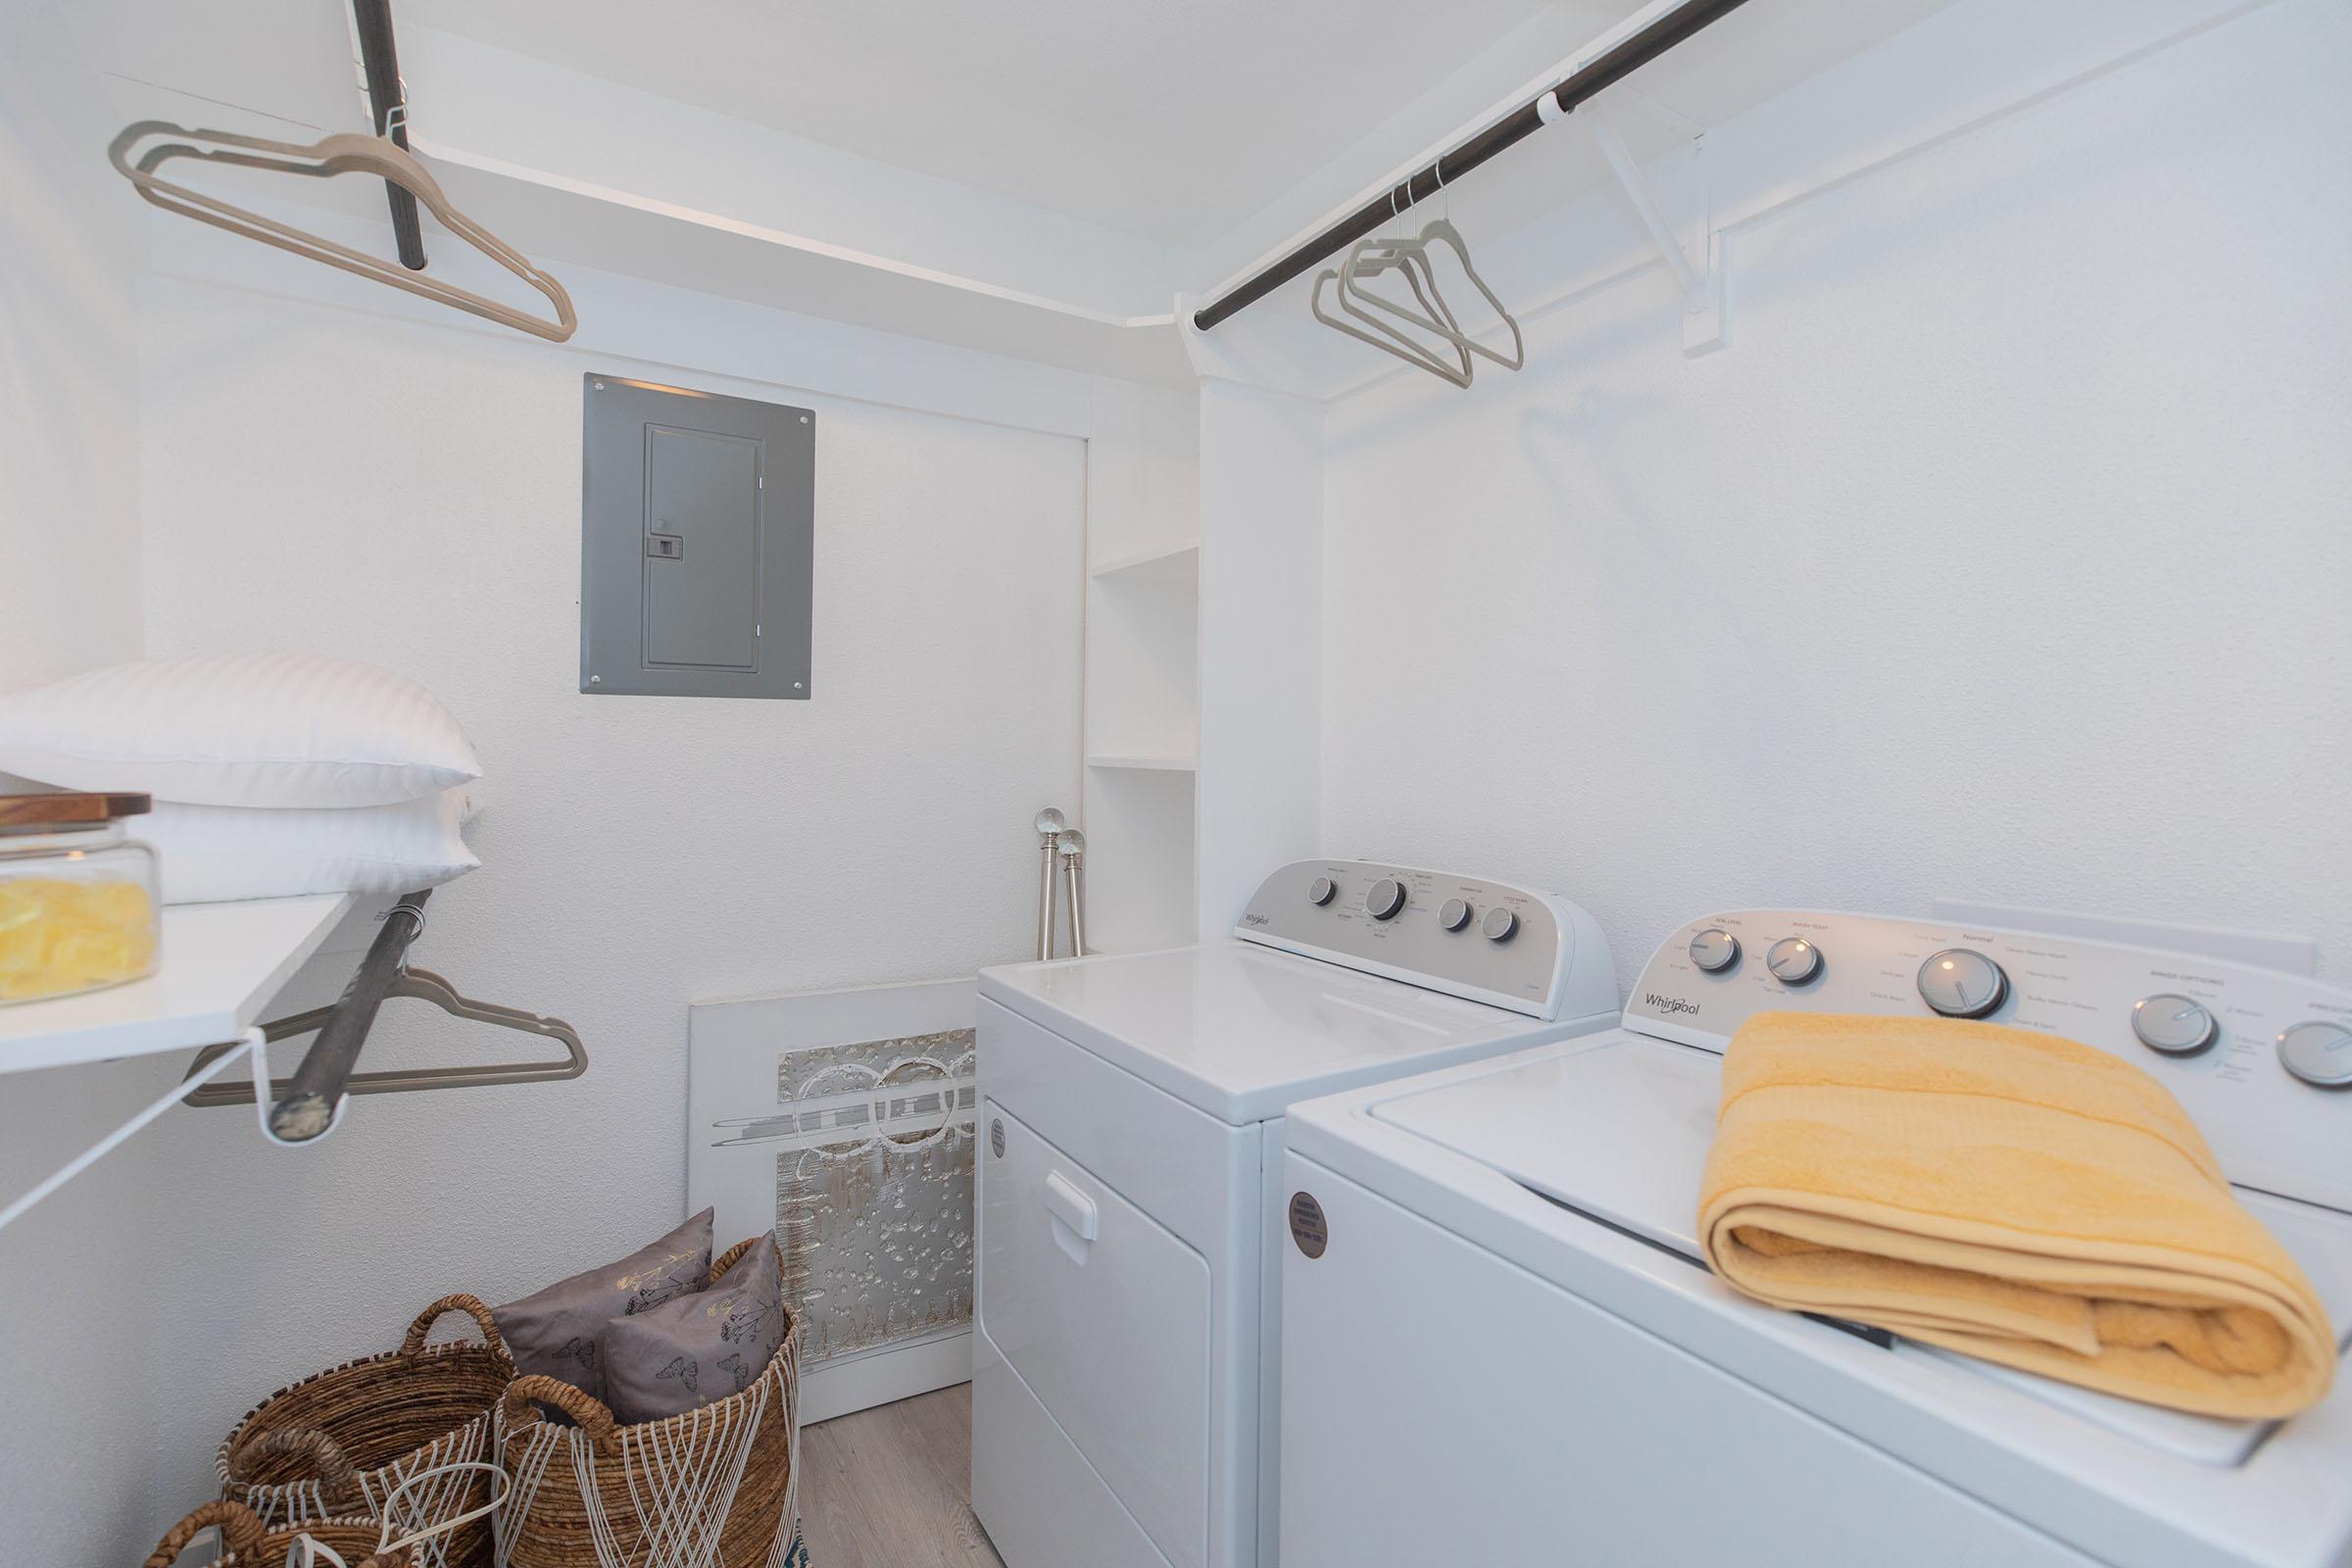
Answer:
[(1130, 1203), (1505, 1351)]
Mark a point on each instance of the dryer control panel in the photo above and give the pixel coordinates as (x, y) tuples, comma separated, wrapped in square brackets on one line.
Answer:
[(1469, 937), (2262, 1059)]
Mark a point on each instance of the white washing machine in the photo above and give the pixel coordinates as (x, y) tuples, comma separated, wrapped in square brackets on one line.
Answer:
[(1507, 1352), (1124, 1358)]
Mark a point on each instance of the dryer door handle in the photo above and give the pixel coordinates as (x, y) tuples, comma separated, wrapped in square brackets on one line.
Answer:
[(1066, 1204)]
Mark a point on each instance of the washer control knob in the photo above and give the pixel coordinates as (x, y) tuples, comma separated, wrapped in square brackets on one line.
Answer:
[(1319, 892), (1794, 960), (1714, 949), (1499, 925), (2173, 1024), (1386, 899), (1454, 914), (2319, 1053), (1962, 983)]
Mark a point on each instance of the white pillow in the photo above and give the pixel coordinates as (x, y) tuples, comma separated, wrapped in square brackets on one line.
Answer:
[(239, 729), (209, 854)]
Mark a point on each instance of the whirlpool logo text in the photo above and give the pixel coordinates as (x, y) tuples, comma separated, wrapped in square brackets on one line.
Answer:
[(1669, 1005)]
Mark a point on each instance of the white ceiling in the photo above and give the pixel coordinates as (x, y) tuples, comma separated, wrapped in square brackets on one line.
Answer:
[(1170, 119)]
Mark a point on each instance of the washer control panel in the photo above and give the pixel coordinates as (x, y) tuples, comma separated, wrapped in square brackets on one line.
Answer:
[(2262, 1059), (1480, 940)]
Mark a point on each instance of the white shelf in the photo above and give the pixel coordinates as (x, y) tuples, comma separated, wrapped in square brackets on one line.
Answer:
[(553, 218), (1143, 762), (1167, 564), (222, 962)]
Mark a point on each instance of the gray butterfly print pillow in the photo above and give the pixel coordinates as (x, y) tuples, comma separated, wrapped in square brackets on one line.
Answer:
[(557, 1331), (694, 1349)]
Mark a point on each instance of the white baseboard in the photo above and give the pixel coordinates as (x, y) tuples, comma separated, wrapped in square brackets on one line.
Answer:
[(843, 1384)]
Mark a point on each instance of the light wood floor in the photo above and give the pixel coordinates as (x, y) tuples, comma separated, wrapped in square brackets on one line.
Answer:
[(891, 1487)]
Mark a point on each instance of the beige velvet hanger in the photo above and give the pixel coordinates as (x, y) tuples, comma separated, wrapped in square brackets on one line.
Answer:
[(345, 153)]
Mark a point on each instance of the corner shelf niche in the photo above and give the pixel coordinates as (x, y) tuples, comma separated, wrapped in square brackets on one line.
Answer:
[(1142, 719), (1161, 563), (1143, 763)]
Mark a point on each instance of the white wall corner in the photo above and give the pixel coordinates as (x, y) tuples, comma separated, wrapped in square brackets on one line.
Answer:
[(1258, 790), (1272, 347)]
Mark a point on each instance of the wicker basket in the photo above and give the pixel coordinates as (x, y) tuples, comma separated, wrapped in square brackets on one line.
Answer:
[(714, 1486), (246, 1543), (338, 1443)]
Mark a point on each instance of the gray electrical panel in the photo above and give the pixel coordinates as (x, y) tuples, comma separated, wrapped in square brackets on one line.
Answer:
[(697, 538)]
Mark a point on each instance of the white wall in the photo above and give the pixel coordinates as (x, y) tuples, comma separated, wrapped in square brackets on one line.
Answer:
[(1261, 535), (334, 467), (71, 242), (73, 238), (322, 478), (2004, 553)]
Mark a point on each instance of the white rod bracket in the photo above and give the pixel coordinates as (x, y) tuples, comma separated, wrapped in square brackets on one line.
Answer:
[(1696, 269)]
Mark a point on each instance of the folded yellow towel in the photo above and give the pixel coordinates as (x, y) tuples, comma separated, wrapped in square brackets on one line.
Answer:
[(2015, 1195)]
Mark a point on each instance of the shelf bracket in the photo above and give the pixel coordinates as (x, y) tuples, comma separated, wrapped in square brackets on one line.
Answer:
[(253, 1046), (249, 1045), (1696, 269)]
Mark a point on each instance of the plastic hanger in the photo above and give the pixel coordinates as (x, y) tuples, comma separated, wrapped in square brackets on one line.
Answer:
[(1441, 321), (426, 985), (1373, 257), (346, 153)]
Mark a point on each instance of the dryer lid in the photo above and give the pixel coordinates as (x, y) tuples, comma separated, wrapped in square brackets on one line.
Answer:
[(1242, 1031)]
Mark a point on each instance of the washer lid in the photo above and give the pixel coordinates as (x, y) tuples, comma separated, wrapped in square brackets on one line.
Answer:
[(1617, 1126), (1242, 1031)]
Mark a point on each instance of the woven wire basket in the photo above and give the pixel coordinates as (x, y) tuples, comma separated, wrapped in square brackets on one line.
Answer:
[(340, 1442), (246, 1543), (714, 1486)]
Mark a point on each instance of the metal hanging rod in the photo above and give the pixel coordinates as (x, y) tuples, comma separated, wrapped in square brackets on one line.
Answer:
[(307, 1110), (1612, 66), (388, 102)]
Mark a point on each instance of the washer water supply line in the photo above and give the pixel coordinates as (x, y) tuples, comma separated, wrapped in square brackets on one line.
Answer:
[(1050, 824), (1071, 845), (1056, 837)]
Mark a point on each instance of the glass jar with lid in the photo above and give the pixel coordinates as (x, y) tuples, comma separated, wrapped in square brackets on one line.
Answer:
[(78, 895)]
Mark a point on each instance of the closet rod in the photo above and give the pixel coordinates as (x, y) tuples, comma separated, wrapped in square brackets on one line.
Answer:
[(388, 102), (1616, 64), (307, 1109)]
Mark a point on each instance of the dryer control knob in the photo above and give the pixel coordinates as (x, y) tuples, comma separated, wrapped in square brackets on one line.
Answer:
[(1319, 892), (1386, 899), (1499, 925), (1454, 914), (1794, 960), (1714, 949), (2319, 1053), (1962, 983), (2173, 1024)]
